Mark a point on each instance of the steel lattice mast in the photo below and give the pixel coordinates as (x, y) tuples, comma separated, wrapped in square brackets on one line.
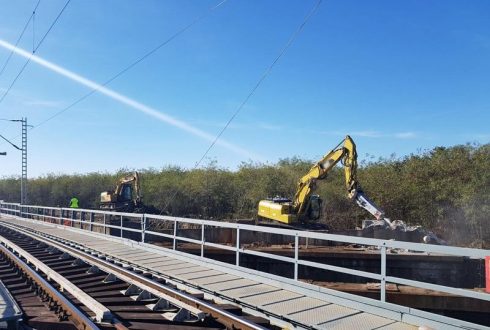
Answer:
[(23, 182)]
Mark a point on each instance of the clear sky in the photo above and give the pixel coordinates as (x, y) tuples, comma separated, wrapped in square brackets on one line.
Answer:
[(399, 76)]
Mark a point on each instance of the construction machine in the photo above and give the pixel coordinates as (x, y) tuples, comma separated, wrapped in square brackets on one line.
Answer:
[(126, 197), (306, 207)]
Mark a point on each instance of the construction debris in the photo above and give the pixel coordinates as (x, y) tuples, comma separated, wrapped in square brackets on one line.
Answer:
[(399, 231)]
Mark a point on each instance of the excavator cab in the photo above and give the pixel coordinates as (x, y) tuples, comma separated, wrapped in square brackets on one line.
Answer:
[(125, 198), (314, 208), (126, 193)]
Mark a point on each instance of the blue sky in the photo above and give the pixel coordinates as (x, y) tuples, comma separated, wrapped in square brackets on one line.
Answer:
[(399, 76)]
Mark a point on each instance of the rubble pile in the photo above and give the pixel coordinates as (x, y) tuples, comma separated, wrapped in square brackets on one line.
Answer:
[(398, 230)]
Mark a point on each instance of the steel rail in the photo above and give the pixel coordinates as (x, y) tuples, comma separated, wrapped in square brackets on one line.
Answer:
[(81, 320), (101, 312), (228, 319)]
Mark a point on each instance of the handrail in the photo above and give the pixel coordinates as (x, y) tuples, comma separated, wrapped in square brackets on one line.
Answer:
[(80, 218)]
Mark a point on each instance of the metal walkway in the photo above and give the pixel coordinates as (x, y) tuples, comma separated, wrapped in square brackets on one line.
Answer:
[(287, 302), (295, 307)]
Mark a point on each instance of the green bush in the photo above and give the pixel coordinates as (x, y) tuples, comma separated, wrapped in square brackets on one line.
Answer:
[(444, 189)]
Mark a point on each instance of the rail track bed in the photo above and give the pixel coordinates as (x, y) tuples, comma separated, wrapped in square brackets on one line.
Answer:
[(113, 303), (37, 306)]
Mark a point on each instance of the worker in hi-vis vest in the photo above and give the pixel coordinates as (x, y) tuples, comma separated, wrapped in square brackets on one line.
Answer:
[(73, 205)]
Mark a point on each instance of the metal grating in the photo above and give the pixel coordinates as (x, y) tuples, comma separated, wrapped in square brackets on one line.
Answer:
[(398, 326), (153, 258), (167, 268), (165, 262), (250, 291), (322, 314), (204, 273), (294, 305), (187, 270), (240, 283), (357, 321), (271, 297), (214, 279)]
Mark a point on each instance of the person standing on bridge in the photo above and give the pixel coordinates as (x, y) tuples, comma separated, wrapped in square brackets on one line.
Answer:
[(73, 205)]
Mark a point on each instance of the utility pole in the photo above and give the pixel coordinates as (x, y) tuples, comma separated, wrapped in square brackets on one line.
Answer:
[(23, 178)]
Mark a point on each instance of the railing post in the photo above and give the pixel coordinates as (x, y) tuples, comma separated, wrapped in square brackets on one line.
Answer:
[(121, 226), (296, 255), (175, 234), (238, 245), (202, 239), (143, 227), (383, 273), (91, 226), (105, 228), (61, 217)]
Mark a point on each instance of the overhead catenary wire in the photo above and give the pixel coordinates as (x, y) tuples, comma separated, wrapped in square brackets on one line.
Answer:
[(262, 78), (134, 63), (33, 51), (31, 18), (51, 26), (11, 143), (264, 75)]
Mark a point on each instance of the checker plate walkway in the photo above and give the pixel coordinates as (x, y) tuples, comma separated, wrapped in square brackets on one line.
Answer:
[(293, 307)]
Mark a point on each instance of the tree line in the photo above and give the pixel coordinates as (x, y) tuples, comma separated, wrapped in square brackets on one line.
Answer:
[(444, 189)]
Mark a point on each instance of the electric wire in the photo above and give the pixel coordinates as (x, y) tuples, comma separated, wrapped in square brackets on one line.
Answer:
[(134, 63), (34, 50), (13, 145), (20, 37), (262, 78), (31, 17), (266, 73), (51, 26), (130, 66)]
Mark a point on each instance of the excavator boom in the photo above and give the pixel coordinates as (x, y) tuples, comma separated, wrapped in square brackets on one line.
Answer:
[(305, 206)]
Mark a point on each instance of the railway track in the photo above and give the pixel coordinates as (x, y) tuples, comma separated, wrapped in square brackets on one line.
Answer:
[(36, 297), (73, 289)]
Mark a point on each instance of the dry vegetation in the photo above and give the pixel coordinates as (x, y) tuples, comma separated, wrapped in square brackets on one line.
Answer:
[(445, 189)]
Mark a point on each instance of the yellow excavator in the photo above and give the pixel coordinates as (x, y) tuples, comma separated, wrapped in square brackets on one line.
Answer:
[(125, 198), (306, 207)]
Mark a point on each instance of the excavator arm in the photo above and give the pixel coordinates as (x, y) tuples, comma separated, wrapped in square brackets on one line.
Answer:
[(345, 152), (307, 184), (303, 203)]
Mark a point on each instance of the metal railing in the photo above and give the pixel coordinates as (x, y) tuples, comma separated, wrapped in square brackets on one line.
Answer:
[(139, 227)]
